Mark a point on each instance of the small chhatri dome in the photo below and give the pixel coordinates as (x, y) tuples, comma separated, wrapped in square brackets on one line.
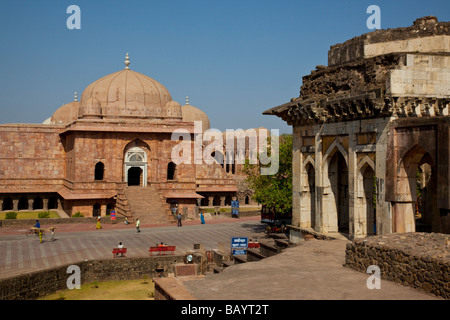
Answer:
[(191, 114), (127, 94)]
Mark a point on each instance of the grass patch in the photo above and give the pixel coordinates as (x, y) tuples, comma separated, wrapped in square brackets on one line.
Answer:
[(29, 215), (141, 289)]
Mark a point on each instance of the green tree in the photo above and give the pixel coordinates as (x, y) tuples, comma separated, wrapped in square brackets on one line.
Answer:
[(274, 191)]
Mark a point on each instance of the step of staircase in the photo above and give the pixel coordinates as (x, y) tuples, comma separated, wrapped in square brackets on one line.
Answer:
[(147, 204)]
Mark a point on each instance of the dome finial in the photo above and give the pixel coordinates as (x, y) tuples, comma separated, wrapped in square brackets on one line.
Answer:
[(75, 98), (127, 62), (187, 100)]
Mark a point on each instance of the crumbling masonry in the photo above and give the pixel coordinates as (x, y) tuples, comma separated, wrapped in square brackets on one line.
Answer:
[(371, 134)]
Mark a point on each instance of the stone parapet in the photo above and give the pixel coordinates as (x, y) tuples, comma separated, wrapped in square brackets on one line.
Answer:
[(418, 260), (41, 283)]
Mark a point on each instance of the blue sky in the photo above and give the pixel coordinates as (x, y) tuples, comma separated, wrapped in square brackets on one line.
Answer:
[(234, 59)]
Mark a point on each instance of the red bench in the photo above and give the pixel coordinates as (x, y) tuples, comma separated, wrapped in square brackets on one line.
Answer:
[(122, 251), (163, 249), (253, 245)]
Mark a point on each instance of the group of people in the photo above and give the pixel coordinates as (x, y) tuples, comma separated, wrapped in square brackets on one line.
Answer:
[(138, 222), (40, 231)]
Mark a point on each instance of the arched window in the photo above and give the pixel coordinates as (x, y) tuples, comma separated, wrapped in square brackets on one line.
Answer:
[(171, 168), (38, 204), (228, 200), (23, 203), (99, 170), (53, 202), (7, 204), (109, 208), (97, 210), (247, 200)]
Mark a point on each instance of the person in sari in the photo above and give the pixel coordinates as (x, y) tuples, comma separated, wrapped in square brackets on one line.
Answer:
[(202, 218), (99, 225)]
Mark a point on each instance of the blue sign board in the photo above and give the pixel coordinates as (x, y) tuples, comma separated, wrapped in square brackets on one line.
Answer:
[(239, 245), (235, 207), (239, 252), (241, 242)]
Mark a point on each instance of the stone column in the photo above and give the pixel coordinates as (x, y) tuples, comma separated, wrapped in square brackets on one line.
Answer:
[(30, 204), (15, 204), (319, 184), (383, 207), (352, 181), (296, 173), (404, 217), (45, 204)]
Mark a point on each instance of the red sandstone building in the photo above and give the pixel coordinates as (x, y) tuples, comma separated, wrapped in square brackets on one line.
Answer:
[(112, 151)]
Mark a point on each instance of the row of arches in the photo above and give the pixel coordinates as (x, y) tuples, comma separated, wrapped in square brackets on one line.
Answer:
[(135, 174), (29, 203), (415, 193), (219, 200)]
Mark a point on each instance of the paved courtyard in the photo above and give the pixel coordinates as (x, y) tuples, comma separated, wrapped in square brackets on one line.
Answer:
[(311, 270), (79, 242)]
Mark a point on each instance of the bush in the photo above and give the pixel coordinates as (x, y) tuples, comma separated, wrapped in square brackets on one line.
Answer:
[(44, 214), (11, 215), (77, 215)]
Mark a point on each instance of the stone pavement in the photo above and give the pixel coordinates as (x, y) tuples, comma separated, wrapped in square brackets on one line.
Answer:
[(79, 242), (311, 270)]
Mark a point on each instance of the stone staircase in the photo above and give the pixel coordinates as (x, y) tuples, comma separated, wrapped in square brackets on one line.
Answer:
[(271, 246), (147, 204)]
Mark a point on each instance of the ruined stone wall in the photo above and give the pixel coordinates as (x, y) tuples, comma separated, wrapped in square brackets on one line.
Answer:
[(351, 78), (418, 260), (425, 35), (41, 283)]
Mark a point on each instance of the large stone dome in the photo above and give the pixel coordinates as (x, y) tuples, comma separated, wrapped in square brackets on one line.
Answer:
[(128, 94), (191, 114)]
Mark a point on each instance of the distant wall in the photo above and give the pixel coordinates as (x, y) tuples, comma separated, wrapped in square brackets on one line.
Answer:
[(55, 221)]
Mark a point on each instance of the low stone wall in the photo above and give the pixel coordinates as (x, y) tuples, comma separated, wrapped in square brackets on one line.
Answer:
[(41, 283), (418, 260), (55, 221)]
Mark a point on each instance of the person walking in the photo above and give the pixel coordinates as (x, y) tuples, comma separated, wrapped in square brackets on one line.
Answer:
[(52, 238), (179, 219), (202, 217), (138, 223), (99, 225)]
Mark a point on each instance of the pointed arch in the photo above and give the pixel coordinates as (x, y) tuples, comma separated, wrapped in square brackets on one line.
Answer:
[(365, 163), (332, 149)]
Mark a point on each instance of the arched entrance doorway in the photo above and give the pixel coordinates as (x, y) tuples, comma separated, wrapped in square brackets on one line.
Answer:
[(136, 167), (135, 176), (339, 200), (369, 200), (417, 190)]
